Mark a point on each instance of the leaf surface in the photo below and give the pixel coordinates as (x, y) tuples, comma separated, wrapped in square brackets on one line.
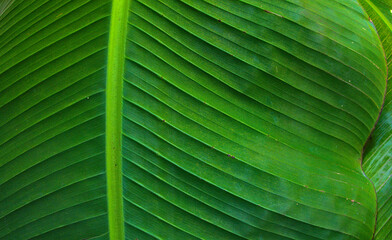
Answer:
[(378, 152), (187, 119)]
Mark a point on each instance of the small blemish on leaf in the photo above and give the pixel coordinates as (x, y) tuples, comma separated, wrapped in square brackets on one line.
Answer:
[(273, 13)]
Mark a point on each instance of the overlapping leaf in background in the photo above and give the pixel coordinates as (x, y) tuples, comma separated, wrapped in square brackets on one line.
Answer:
[(377, 162), (238, 119)]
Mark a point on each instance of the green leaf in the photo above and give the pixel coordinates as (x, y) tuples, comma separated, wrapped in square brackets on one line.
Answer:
[(192, 119), (378, 152)]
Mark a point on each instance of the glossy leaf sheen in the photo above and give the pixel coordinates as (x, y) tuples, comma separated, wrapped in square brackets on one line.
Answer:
[(192, 119)]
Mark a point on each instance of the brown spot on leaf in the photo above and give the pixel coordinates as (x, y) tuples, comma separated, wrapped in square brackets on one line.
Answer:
[(273, 13)]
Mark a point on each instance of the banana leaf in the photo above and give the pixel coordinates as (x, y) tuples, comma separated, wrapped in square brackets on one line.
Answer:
[(193, 119), (378, 152)]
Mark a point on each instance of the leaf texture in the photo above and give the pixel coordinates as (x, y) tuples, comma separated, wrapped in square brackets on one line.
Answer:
[(239, 119), (378, 152), (236, 94), (52, 115)]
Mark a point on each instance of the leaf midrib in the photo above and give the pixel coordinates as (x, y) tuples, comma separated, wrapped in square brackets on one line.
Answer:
[(114, 88)]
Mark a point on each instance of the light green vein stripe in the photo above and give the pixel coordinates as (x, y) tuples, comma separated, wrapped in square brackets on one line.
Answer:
[(380, 14), (114, 87)]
